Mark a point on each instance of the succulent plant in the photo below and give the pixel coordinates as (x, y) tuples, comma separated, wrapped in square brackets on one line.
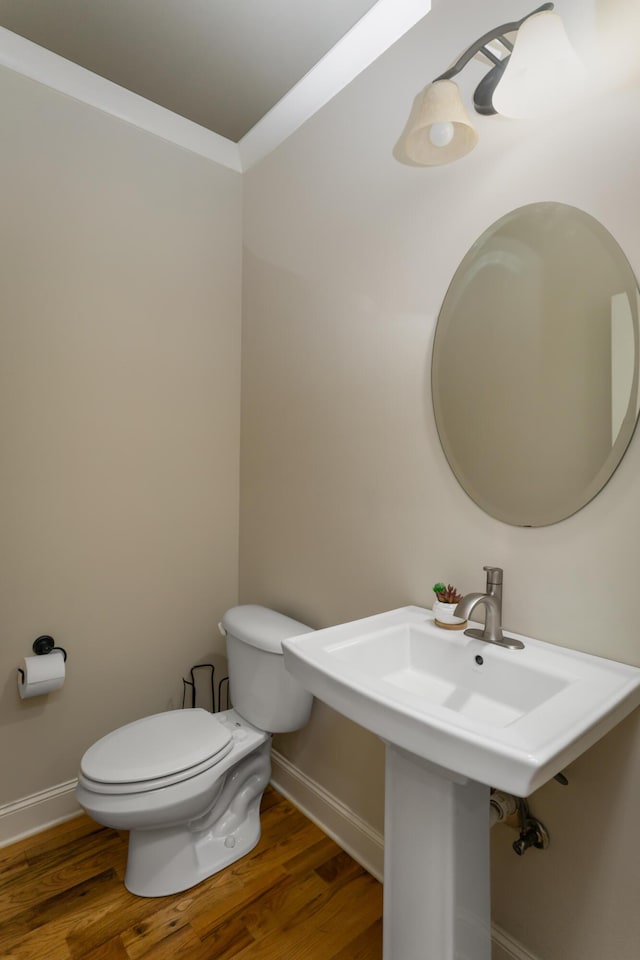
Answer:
[(446, 594)]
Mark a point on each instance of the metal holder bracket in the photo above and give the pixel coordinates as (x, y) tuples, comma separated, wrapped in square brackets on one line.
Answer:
[(42, 646)]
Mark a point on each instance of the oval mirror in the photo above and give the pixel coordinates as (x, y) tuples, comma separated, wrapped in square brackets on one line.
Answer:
[(535, 364)]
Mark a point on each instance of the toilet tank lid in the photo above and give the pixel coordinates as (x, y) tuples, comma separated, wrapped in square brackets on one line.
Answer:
[(261, 627)]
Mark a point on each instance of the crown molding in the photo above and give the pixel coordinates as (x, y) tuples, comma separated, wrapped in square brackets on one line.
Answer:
[(374, 33), (380, 27), (27, 58)]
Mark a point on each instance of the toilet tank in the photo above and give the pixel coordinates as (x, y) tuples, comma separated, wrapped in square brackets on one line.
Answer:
[(262, 690)]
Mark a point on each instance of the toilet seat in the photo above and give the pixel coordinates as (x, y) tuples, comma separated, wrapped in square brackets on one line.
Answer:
[(155, 752)]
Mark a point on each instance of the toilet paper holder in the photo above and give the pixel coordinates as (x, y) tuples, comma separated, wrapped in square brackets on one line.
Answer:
[(42, 646)]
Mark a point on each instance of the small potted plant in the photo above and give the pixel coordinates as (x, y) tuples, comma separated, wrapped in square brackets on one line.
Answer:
[(447, 599)]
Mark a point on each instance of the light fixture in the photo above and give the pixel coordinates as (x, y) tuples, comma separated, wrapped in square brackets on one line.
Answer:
[(543, 73), (538, 71)]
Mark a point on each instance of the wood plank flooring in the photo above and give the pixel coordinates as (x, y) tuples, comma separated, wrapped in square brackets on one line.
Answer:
[(296, 895)]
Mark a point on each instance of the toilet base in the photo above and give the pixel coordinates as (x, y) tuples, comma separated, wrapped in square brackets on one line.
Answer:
[(171, 859)]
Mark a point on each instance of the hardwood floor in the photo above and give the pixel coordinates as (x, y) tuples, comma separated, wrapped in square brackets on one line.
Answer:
[(296, 895)]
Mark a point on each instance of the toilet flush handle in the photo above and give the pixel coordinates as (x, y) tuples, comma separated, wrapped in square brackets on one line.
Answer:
[(222, 630)]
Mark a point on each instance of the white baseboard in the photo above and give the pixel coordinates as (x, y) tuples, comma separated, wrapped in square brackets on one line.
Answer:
[(350, 831), (354, 835), (38, 812), (506, 948)]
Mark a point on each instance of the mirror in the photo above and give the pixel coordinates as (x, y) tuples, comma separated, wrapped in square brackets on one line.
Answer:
[(535, 364)]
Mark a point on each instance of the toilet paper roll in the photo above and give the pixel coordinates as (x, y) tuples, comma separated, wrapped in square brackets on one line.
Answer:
[(41, 675)]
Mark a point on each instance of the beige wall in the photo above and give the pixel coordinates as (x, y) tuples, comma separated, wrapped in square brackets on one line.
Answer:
[(120, 264), (348, 506)]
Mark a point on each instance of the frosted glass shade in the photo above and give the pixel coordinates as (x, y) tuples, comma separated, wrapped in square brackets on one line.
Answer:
[(440, 106), (544, 73)]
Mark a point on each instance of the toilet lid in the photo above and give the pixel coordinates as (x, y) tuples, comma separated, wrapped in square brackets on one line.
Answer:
[(157, 746)]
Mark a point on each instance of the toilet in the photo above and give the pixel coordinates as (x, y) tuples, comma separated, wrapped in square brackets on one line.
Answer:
[(187, 784)]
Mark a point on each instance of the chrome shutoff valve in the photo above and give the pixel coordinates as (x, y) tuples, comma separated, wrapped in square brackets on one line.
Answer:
[(533, 834)]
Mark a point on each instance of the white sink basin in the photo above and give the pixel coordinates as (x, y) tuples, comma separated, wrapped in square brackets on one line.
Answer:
[(511, 719)]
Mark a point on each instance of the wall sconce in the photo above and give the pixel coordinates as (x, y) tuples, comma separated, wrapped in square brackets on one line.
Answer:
[(538, 72)]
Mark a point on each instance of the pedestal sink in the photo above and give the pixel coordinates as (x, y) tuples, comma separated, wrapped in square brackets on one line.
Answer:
[(457, 716)]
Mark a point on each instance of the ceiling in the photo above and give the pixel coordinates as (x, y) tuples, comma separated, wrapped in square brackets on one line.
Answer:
[(220, 63)]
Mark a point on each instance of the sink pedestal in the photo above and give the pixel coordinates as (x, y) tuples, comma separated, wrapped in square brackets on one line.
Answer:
[(436, 863)]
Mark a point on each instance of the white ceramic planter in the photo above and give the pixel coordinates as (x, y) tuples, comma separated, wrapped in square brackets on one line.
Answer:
[(445, 617)]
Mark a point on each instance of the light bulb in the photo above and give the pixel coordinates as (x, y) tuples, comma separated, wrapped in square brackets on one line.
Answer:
[(441, 134)]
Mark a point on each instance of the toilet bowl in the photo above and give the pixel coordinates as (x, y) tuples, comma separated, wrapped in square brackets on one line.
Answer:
[(187, 784)]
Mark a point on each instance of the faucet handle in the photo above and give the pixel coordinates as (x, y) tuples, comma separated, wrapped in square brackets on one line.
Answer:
[(494, 576)]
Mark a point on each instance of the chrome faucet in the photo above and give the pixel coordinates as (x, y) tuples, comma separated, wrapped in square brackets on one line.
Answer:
[(492, 601)]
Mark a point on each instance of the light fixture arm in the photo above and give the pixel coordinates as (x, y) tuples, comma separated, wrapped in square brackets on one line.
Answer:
[(484, 91)]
